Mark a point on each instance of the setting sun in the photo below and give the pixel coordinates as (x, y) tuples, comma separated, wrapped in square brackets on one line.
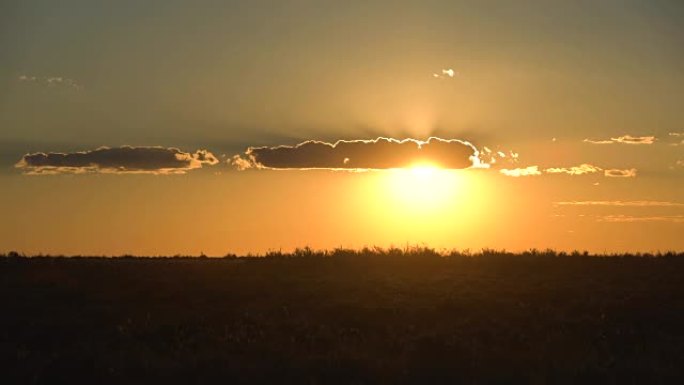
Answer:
[(425, 195), (422, 187), (398, 192), (424, 169)]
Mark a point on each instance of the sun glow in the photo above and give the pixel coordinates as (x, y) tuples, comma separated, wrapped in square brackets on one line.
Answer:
[(423, 187), (425, 203), (423, 170)]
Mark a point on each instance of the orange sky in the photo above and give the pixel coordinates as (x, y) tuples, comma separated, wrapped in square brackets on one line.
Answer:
[(257, 211)]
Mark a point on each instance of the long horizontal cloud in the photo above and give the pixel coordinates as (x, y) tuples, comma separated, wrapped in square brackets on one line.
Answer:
[(119, 160), (618, 173), (380, 153), (582, 169), (575, 170), (51, 81), (621, 203), (632, 219), (625, 139), (517, 172)]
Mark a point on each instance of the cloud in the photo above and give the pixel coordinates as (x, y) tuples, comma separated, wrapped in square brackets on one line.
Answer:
[(631, 219), (576, 170), (517, 172), (376, 154), (617, 173), (625, 139), (240, 163), (489, 157), (26, 78), (628, 139), (598, 141), (51, 81), (621, 203), (119, 160), (621, 218), (677, 137), (582, 169), (447, 72)]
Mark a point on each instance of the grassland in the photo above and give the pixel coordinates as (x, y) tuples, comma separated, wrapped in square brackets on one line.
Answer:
[(344, 317)]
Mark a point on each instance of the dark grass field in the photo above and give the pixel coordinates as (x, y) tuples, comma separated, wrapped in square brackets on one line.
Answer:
[(364, 317)]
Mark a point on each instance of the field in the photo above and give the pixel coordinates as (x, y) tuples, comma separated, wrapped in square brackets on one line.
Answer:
[(344, 317)]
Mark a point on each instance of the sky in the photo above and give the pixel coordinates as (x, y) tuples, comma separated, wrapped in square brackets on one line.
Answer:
[(174, 127)]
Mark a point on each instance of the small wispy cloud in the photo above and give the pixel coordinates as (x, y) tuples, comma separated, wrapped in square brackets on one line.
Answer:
[(628, 139), (592, 141), (241, 163), (621, 203), (633, 219), (625, 139), (583, 169), (445, 73), (518, 172), (676, 138), (26, 78), (644, 205), (619, 173), (575, 170), (490, 157), (51, 81)]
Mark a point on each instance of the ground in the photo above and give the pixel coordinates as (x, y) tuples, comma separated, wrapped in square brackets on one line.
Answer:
[(347, 317)]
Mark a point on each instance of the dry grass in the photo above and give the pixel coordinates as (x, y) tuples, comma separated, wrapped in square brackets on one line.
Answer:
[(345, 316)]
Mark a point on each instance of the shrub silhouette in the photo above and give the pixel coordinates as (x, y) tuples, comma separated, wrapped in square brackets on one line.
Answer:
[(396, 315)]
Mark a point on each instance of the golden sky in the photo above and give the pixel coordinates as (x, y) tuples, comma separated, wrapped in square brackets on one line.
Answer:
[(246, 126)]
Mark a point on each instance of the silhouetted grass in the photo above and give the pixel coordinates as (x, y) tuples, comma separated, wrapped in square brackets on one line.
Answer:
[(411, 315)]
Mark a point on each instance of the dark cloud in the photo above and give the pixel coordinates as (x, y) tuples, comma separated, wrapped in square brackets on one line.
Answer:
[(125, 159), (380, 153)]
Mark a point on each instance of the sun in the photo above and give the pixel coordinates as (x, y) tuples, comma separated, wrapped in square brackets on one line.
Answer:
[(422, 187), (424, 202), (423, 170)]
